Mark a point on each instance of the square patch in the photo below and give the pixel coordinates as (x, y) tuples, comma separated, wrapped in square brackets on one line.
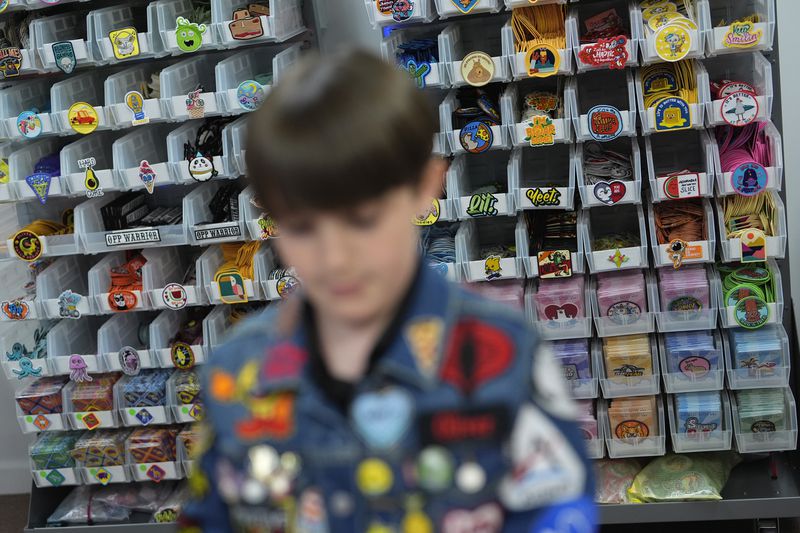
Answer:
[(55, 478), (90, 420), (155, 473), (144, 417), (41, 422)]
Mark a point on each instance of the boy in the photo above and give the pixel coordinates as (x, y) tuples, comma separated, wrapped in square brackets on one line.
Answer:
[(381, 398)]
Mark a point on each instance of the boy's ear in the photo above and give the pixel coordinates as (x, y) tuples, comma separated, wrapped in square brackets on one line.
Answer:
[(432, 183)]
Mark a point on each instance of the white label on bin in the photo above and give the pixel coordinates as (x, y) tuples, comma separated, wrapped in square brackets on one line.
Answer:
[(132, 236), (682, 186), (217, 233)]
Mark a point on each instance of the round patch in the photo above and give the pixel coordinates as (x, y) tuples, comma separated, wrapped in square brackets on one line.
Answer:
[(740, 108), (342, 503), (605, 122), (122, 300), (29, 124), (658, 9), (26, 245), (435, 469), (673, 42), (763, 426), (542, 61), (374, 477), (751, 312), (402, 10), (742, 291), (749, 179), (431, 217), (631, 429), (470, 478), (477, 68), (663, 19), (684, 304), (735, 86), (287, 285), (129, 361), (182, 355), (476, 137), (82, 117), (623, 313), (174, 296), (752, 274), (695, 367), (250, 95)]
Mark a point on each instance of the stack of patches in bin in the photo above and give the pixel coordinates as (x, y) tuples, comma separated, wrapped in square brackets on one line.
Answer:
[(224, 206), (131, 211)]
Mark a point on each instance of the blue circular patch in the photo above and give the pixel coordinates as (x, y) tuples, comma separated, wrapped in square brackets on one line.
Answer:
[(476, 137), (250, 95), (749, 179), (29, 124)]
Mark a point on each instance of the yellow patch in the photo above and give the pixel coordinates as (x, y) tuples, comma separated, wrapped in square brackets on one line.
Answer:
[(424, 338)]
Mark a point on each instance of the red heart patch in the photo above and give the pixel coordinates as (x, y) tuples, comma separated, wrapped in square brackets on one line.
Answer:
[(554, 312), (618, 190)]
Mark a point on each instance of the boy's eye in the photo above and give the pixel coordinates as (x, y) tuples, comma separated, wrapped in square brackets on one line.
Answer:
[(366, 218), (297, 227)]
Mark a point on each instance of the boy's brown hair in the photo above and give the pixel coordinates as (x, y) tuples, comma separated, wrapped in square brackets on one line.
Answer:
[(338, 130)]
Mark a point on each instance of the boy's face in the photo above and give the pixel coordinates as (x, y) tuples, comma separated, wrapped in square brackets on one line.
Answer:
[(354, 263)]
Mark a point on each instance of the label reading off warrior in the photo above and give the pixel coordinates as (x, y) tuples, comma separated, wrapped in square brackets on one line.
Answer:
[(217, 233), (132, 236)]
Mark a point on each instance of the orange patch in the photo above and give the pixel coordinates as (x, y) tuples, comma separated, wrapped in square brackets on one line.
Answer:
[(223, 386), (272, 418)]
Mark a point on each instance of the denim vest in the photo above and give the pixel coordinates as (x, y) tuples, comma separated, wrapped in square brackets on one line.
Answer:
[(462, 426)]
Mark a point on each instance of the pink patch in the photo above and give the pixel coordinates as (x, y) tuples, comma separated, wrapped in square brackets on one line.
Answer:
[(284, 361)]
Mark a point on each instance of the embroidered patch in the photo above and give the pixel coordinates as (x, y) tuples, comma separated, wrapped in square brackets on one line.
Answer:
[(478, 424), (424, 339), (284, 361), (477, 353), (272, 417), (382, 418)]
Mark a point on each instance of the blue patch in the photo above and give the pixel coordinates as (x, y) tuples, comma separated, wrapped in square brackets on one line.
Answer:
[(576, 516), (382, 418), (144, 417), (673, 114), (658, 82), (40, 185), (476, 137), (465, 6), (749, 179)]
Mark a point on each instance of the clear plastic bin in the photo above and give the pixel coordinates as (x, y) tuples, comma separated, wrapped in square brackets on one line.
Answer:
[(594, 91), (697, 251), (179, 165), (519, 70), (243, 66), (24, 333), (446, 109), (701, 441), (725, 183), (758, 36), (89, 225), (651, 446), (618, 220), (122, 331), (468, 173), (15, 300), (26, 96), (82, 420), (168, 12), (97, 146), (114, 18), (6, 149), (117, 85), (596, 447), (696, 110), (626, 386), (264, 267), (70, 337), (776, 245), (52, 245), (235, 135), (749, 441), (748, 374), (424, 12), (86, 87), (696, 45), (168, 266), (161, 471), (285, 20), (631, 22), (669, 155), (674, 321), (608, 327), (196, 213), (142, 144), (437, 77), (41, 422), (632, 193), (72, 27), (181, 412), (179, 79), (512, 113), (752, 68), (210, 262), (551, 330), (55, 477), (677, 382), (216, 327), (251, 215), (530, 257), (483, 35), (544, 178), (728, 312), (100, 283), (166, 325), (448, 8), (22, 162), (139, 416), (473, 233), (64, 274)]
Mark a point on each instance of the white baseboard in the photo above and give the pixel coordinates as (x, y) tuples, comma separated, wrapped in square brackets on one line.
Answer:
[(15, 478)]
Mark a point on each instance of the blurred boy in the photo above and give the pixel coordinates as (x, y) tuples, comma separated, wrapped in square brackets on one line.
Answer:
[(381, 398)]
